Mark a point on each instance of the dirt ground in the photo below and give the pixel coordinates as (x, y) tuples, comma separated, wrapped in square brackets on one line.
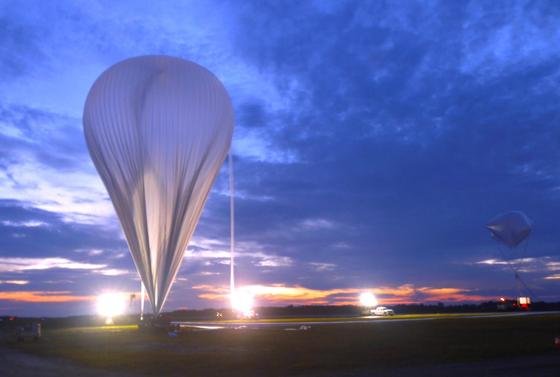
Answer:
[(468, 346), (18, 364)]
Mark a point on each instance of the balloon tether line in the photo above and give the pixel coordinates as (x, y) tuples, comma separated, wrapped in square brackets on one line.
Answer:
[(515, 271), (142, 296), (231, 227)]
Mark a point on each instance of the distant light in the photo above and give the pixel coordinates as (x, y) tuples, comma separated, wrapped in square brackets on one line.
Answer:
[(242, 302), (368, 300), (524, 300), (110, 305)]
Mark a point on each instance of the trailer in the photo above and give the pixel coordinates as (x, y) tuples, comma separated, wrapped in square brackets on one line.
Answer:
[(31, 331), (521, 303)]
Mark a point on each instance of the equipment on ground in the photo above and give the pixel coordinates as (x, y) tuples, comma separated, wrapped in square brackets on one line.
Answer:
[(383, 311), (29, 331)]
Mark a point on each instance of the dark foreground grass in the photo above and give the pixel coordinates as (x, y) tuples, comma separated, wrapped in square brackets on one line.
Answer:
[(274, 351)]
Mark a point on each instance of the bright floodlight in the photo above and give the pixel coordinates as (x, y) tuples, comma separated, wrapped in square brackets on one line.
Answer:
[(242, 303), (110, 305), (368, 300)]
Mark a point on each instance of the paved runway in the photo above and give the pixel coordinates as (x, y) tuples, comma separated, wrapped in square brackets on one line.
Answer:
[(216, 325)]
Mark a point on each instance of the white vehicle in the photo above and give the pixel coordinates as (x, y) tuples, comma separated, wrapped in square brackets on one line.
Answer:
[(382, 310)]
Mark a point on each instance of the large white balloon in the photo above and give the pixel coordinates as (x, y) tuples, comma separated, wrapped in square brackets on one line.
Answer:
[(511, 228), (158, 129)]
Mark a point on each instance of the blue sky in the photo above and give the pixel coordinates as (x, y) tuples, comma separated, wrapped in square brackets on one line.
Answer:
[(373, 141)]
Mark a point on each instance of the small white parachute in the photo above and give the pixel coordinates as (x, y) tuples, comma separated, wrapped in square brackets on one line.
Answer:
[(510, 228)]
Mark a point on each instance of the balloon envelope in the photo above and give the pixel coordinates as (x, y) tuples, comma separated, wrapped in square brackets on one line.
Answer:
[(511, 228), (158, 129)]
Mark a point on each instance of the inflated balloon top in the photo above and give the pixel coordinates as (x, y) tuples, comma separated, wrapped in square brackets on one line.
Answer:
[(158, 129), (511, 228)]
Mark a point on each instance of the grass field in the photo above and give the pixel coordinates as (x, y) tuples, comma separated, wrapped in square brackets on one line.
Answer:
[(273, 351)]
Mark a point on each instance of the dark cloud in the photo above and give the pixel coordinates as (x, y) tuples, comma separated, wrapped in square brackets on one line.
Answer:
[(392, 134), (398, 140), (252, 114), (53, 139), (18, 44)]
